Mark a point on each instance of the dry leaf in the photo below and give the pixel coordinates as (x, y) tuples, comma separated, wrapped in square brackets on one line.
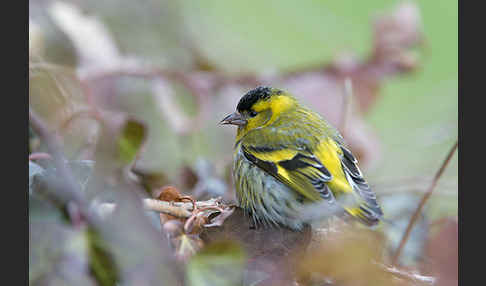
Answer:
[(442, 250)]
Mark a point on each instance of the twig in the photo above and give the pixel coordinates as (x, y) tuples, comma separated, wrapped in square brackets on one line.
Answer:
[(214, 208), (189, 221), (167, 208), (193, 201), (177, 209), (422, 203)]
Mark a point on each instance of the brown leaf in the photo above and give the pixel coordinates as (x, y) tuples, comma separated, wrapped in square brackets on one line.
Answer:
[(268, 249), (442, 253), (396, 32), (258, 241), (346, 256), (168, 193)]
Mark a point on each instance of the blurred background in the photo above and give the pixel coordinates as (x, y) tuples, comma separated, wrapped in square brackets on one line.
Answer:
[(385, 73)]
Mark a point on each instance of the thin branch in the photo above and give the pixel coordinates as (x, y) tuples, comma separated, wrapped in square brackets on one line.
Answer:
[(425, 198), (188, 223), (167, 208), (177, 209)]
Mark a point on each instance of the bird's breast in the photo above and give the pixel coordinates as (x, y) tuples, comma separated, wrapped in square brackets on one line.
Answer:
[(260, 194)]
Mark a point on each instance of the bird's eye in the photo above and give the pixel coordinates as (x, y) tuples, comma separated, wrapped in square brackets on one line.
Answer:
[(253, 113)]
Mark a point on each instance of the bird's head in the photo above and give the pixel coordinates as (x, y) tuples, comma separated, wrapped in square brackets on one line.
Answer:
[(258, 108)]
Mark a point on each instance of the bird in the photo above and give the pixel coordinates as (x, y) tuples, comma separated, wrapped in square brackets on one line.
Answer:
[(287, 157)]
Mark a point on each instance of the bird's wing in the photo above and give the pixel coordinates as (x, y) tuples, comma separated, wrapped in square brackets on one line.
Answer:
[(301, 170), (327, 171), (368, 211)]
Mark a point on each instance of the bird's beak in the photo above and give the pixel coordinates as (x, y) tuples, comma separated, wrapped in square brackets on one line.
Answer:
[(235, 119)]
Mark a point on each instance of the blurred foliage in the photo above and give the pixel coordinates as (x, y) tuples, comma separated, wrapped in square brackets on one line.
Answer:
[(133, 91), (102, 264), (219, 263), (130, 141)]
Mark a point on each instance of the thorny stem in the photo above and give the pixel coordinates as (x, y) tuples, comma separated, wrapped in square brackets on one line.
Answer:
[(425, 197)]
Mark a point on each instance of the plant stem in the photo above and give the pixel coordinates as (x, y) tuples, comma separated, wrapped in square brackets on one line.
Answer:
[(425, 198)]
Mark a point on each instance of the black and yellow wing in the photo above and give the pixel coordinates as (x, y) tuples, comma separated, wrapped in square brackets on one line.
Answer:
[(323, 170), (369, 211), (300, 170)]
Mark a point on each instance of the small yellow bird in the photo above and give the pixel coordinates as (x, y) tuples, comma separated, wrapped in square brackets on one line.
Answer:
[(287, 157)]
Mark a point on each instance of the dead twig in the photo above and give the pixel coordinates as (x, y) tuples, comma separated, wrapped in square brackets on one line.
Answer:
[(177, 209), (188, 223), (425, 198), (166, 208)]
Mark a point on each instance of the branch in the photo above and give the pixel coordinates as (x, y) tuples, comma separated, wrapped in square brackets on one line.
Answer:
[(177, 209), (425, 198)]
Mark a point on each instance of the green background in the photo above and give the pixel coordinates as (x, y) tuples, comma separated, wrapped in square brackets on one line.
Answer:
[(416, 117)]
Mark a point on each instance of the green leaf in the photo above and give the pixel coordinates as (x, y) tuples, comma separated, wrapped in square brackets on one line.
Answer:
[(219, 263), (131, 138), (102, 263)]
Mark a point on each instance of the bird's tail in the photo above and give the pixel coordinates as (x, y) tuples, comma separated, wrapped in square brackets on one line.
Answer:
[(368, 215)]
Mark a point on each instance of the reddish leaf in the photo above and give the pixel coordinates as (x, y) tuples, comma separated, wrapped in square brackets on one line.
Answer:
[(168, 193), (268, 249), (442, 253)]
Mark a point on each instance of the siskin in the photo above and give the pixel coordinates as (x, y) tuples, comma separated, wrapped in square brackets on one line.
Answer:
[(288, 157)]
